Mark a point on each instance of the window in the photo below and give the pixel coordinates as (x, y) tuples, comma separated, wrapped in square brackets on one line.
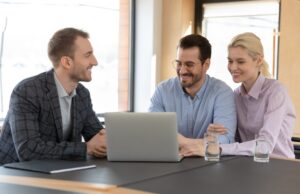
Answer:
[(27, 26), (222, 21)]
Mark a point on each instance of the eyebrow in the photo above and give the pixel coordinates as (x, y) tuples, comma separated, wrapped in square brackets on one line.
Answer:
[(185, 61), (89, 52), (236, 59)]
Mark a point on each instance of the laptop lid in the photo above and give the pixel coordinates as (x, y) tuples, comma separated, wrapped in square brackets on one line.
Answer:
[(142, 136)]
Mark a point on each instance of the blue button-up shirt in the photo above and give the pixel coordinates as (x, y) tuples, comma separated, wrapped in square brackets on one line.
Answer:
[(213, 103)]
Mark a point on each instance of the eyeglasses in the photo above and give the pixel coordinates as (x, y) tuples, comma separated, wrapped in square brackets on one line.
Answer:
[(189, 65)]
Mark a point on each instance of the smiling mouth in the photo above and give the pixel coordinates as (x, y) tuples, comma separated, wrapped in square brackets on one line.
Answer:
[(185, 77), (235, 74)]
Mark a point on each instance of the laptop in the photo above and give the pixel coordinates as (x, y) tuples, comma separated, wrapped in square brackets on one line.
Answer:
[(150, 137)]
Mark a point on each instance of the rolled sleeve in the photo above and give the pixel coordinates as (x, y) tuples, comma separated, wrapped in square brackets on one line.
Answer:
[(225, 114)]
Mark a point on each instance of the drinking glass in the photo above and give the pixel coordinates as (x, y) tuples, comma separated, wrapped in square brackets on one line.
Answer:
[(212, 147), (261, 151)]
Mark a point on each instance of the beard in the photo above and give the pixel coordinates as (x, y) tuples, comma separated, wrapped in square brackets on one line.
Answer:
[(186, 83), (80, 75)]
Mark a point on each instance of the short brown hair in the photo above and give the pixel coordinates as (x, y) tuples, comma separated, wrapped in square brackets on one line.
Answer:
[(62, 43), (196, 40)]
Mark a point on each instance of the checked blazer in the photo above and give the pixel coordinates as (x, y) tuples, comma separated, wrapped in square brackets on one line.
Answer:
[(32, 128)]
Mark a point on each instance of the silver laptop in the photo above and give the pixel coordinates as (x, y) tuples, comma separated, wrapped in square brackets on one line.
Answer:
[(142, 137)]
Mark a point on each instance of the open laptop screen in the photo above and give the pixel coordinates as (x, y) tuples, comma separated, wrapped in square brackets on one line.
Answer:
[(142, 136)]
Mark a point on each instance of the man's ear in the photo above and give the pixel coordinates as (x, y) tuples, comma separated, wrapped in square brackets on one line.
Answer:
[(65, 62), (206, 63)]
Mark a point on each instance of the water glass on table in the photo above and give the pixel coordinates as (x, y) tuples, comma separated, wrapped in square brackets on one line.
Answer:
[(261, 150), (212, 147)]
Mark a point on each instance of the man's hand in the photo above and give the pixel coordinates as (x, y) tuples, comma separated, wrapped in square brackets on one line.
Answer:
[(190, 147), (217, 128), (97, 145)]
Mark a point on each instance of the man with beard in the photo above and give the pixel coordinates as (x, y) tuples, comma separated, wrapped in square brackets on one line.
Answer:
[(50, 112), (198, 99)]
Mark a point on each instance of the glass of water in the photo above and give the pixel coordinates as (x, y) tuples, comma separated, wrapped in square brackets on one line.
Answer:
[(261, 151), (212, 148)]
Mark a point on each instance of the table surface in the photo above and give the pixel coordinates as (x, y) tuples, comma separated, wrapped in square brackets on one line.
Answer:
[(191, 175), (239, 175)]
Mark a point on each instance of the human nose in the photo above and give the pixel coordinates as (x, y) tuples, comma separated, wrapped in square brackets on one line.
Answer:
[(182, 69), (232, 66), (94, 61)]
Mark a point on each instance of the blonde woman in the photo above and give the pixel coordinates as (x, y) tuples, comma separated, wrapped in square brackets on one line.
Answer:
[(264, 109)]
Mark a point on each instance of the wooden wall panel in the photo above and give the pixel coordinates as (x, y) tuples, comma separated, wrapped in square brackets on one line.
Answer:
[(289, 52), (178, 20), (124, 47)]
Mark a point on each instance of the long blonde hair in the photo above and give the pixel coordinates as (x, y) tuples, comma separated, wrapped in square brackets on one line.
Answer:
[(252, 43)]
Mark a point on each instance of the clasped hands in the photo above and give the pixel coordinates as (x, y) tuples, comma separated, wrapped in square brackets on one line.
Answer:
[(195, 147), (97, 145)]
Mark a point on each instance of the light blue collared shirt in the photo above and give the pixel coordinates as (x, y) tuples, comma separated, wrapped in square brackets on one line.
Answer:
[(213, 103)]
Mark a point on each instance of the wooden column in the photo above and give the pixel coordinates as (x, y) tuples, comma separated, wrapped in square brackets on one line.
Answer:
[(178, 20), (289, 52), (124, 47)]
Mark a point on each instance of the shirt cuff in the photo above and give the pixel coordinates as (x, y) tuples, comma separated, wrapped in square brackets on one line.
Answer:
[(226, 149)]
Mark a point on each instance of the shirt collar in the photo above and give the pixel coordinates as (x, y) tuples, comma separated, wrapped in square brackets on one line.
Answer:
[(60, 89), (255, 89)]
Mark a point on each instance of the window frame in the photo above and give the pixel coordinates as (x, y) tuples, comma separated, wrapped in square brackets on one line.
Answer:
[(129, 75)]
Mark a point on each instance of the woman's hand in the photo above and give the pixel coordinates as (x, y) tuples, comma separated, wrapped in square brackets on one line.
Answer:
[(217, 128)]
